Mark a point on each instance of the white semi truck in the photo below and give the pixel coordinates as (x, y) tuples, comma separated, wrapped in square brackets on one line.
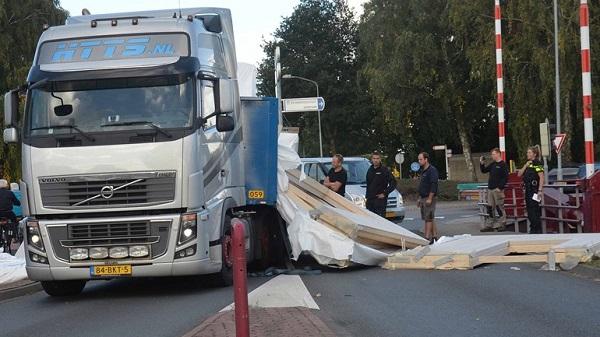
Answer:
[(137, 149)]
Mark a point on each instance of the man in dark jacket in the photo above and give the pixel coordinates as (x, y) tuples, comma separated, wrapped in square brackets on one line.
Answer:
[(498, 177), (7, 200), (380, 183), (428, 190)]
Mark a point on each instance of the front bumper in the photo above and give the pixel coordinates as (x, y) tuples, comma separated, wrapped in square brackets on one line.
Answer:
[(197, 267), (396, 213), (206, 260)]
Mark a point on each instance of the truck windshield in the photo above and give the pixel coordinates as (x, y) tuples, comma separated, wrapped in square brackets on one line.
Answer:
[(356, 170), (101, 105)]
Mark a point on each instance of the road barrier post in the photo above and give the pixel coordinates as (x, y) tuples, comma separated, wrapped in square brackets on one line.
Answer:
[(242, 324)]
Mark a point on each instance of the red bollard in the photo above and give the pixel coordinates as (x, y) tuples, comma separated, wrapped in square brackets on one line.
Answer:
[(240, 287)]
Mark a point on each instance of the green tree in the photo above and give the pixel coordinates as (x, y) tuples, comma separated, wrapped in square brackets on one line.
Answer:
[(419, 73), (21, 24), (319, 41)]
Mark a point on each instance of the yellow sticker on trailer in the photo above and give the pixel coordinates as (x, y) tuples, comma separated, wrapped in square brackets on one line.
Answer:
[(256, 194)]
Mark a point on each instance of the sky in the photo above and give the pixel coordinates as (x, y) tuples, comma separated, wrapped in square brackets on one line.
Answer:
[(253, 21)]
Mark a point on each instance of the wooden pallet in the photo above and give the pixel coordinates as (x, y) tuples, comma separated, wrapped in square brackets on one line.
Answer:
[(468, 252), (335, 211)]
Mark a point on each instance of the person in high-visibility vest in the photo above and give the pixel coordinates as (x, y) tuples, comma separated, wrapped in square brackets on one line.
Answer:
[(533, 179)]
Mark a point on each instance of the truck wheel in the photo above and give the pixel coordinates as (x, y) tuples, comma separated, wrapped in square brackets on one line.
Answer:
[(224, 278), (63, 288)]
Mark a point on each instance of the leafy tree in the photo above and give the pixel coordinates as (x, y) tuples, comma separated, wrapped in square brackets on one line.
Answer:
[(319, 41), (21, 24)]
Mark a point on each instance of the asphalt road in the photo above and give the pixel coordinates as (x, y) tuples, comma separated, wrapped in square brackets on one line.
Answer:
[(492, 300), (452, 218), (146, 307), (489, 301)]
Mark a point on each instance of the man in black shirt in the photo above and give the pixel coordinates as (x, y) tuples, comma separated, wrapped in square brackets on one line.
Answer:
[(337, 177), (380, 183), (498, 177), (7, 200), (428, 189)]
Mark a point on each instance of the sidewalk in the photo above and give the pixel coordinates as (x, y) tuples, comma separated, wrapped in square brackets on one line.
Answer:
[(267, 322)]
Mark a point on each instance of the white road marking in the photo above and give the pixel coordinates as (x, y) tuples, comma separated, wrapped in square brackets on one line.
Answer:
[(409, 219), (283, 291), (440, 217)]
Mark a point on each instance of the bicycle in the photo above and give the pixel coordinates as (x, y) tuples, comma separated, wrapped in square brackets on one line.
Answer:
[(8, 233)]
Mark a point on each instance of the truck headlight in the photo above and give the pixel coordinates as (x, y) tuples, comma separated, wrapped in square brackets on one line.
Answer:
[(188, 229), (78, 254), (98, 253), (34, 236), (118, 252), (139, 251)]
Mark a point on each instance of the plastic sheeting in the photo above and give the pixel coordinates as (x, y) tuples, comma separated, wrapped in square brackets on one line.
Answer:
[(12, 268), (246, 75), (327, 246)]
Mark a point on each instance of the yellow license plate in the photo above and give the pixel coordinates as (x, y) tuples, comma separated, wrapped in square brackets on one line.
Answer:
[(119, 270), (390, 214), (256, 194)]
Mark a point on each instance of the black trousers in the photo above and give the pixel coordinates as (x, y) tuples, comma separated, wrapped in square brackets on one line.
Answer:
[(9, 215), (377, 206), (534, 214)]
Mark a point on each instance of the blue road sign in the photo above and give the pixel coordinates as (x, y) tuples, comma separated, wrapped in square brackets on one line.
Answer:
[(415, 167), (320, 103)]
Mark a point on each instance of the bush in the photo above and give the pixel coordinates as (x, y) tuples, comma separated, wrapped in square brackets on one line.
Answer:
[(446, 189)]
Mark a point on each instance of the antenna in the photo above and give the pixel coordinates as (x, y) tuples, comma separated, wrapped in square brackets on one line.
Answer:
[(180, 9)]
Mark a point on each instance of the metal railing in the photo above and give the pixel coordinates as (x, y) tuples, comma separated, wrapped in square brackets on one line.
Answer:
[(514, 205), (563, 204)]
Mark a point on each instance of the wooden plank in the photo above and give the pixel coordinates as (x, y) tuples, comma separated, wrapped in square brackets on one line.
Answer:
[(430, 261), (314, 187), (513, 259)]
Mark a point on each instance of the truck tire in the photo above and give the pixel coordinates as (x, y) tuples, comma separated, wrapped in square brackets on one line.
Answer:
[(63, 288), (224, 278)]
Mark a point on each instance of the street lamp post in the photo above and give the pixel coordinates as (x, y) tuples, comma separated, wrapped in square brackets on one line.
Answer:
[(318, 111)]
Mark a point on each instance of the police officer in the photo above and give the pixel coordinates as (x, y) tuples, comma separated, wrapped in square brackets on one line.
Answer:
[(380, 183), (533, 179)]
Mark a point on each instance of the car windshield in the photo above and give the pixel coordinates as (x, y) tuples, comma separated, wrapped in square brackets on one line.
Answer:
[(93, 105), (356, 169)]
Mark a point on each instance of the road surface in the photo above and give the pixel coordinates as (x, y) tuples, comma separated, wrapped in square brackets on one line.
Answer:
[(493, 300)]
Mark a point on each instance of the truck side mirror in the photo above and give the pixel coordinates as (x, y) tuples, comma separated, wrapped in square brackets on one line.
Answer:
[(225, 123), (224, 95), (10, 135), (11, 107)]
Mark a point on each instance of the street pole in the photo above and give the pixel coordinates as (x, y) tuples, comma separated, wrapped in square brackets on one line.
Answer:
[(318, 111), (277, 73), (557, 87), (447, 162), (320, 133)]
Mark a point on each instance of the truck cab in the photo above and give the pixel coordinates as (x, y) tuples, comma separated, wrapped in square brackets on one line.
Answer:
[(132, 148)]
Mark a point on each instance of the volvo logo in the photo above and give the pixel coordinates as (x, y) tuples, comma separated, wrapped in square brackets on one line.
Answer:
[(107, 192), (52, 180)]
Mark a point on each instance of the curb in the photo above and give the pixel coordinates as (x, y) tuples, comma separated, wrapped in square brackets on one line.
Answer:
[(20, 290)]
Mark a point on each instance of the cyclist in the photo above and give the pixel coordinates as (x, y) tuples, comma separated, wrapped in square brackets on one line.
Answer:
[(7, 201)]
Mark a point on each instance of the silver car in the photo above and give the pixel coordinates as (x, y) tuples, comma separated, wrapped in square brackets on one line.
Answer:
[(356, 187)]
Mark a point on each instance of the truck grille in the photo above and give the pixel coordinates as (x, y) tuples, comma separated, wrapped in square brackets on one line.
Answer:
[(118, 190), (392, 202), (108, 230)]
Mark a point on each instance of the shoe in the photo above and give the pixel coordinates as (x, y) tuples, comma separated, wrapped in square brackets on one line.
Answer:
[(486, 229), (431, 241)]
